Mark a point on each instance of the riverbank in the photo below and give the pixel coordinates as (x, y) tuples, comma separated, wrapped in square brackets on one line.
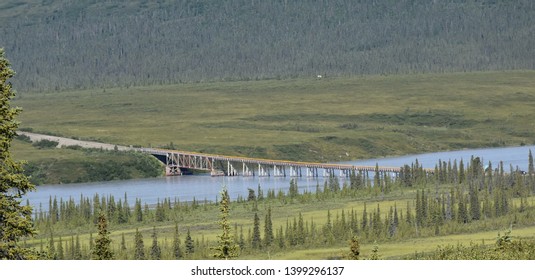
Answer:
[(77, 162)]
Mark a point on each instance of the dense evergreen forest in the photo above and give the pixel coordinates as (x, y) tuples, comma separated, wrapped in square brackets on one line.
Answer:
[(58, 44)]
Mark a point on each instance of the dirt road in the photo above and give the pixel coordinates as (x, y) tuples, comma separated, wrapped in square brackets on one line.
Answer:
[(62, 141)]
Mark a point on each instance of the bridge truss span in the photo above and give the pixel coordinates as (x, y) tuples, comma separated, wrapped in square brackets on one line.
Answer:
[(218, 165)]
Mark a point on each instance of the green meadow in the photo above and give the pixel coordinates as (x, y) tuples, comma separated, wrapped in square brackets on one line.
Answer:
[(303, 119)]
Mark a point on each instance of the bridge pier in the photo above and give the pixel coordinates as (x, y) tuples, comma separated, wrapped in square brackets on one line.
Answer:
[(246, 171), (279, 171), (328, 172), (231, 171), (172, 165), (295, 171), (262, 172), (312, 172), (173, 170), (345, 173)]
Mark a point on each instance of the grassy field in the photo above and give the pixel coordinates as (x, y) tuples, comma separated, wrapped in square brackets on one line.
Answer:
[(316, 119), (204, 229), (407, 248)]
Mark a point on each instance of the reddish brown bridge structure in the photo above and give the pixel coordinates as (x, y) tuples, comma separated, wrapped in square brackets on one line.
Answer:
[(219, 165)]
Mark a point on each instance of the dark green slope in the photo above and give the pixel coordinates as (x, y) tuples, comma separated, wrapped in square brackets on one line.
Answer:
[(82, 44)]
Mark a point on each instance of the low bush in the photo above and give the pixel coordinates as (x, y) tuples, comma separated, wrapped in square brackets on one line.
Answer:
[(45, 144)]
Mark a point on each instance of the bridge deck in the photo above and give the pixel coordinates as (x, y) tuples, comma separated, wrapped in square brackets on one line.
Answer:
[(204, 161)]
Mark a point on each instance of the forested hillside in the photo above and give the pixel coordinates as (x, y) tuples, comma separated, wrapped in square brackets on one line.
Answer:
[(59, 44)]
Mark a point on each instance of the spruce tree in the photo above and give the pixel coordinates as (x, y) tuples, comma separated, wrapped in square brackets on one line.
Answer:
[(377, 223), (52, 255), (268, 229), (364, 219), (72, 249), (375, 252), (461, 172), (54, 212), (280, 238), (408, 216), (256, 241), (111, 208), (160, 213), (424, 208), (475, 207), (377, 178), (300, 232), (226, 247), (190, 247), (293, 191), (531, 168), (91, 243), (504, 202), (488, 175), (354, 248), (260, 193), (139, 253), (123, 247), (392, 221), (41, 248), (353, 223), (126, 208), (15, 218), (119, 213), (155, 250), (177, 251), (419, 212), (334, 183), (462, 211), (293, 235), (138, 212), (251, 196), (77, 249), (236, 237), (59, 251), (102, 249)]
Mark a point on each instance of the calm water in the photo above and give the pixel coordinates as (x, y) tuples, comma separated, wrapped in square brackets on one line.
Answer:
[(201, 187)]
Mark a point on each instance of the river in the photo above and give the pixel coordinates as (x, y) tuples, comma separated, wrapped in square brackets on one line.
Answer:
[(201, 187)]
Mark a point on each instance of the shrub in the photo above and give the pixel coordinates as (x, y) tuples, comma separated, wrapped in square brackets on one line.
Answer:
[(46, 144)]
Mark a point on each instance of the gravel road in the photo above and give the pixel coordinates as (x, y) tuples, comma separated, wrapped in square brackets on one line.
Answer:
[(62, 141)]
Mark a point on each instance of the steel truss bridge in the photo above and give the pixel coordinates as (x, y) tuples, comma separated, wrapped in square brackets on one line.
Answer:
[(218, 165)]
